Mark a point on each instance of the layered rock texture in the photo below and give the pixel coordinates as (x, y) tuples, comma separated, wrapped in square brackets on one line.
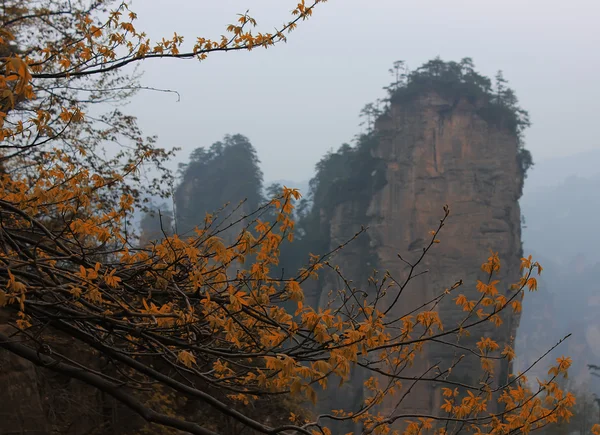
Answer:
[(433, 152)]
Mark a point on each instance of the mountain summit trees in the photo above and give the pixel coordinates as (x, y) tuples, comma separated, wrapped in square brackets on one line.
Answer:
[(227, 172)]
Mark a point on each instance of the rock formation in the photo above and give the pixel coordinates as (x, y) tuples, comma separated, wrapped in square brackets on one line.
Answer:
[(435, 151), (429, 150)]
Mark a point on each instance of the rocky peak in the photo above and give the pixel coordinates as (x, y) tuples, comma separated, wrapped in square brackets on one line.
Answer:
[(436, 151)]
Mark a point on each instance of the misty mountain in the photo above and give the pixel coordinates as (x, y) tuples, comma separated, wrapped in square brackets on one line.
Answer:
[(560, 220), (560, 207), (553, 172)]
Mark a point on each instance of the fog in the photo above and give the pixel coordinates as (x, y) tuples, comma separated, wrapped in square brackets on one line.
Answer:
[(297, 100), (561, 206), (439, 146)]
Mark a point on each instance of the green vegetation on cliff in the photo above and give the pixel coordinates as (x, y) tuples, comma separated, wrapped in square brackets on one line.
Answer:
[(349, 174), (496, 103), (353, 173), (227, 172)]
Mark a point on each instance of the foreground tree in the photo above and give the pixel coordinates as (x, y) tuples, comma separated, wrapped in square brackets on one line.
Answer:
[(586, 413), (171, 319)]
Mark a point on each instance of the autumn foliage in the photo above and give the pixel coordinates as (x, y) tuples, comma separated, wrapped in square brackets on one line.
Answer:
[(193, 315)]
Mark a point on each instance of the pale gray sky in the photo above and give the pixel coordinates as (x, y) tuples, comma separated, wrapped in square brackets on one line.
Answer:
[(296, 100)]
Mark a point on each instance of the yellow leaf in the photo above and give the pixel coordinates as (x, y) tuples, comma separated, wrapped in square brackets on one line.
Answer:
[(296, 386), (447, 406), (532, 284), (76, 291), (186, 358), (311, 394), (447, 392), (508, 352)]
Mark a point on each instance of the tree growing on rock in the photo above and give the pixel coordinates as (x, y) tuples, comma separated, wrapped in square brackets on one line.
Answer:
[(171, 319), (226, 173)]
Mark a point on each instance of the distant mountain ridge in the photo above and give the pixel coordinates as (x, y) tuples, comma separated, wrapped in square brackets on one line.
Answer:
[(561, 207), (554, 171)]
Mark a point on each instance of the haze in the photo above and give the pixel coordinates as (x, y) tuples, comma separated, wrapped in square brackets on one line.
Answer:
[(443, 256), (297, 100)]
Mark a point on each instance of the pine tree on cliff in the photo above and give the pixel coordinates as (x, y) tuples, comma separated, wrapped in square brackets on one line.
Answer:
[(227, 172)]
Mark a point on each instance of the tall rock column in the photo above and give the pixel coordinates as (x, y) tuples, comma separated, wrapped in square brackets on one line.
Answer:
[(439, 152)]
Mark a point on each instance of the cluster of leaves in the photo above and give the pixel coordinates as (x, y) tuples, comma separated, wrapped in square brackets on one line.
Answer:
[(194, 315), (585, 412), (67, 58), (56, 86), (175, 302)]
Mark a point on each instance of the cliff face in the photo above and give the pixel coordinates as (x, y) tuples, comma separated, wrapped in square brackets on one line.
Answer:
[(37, 401), (438, 152)]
